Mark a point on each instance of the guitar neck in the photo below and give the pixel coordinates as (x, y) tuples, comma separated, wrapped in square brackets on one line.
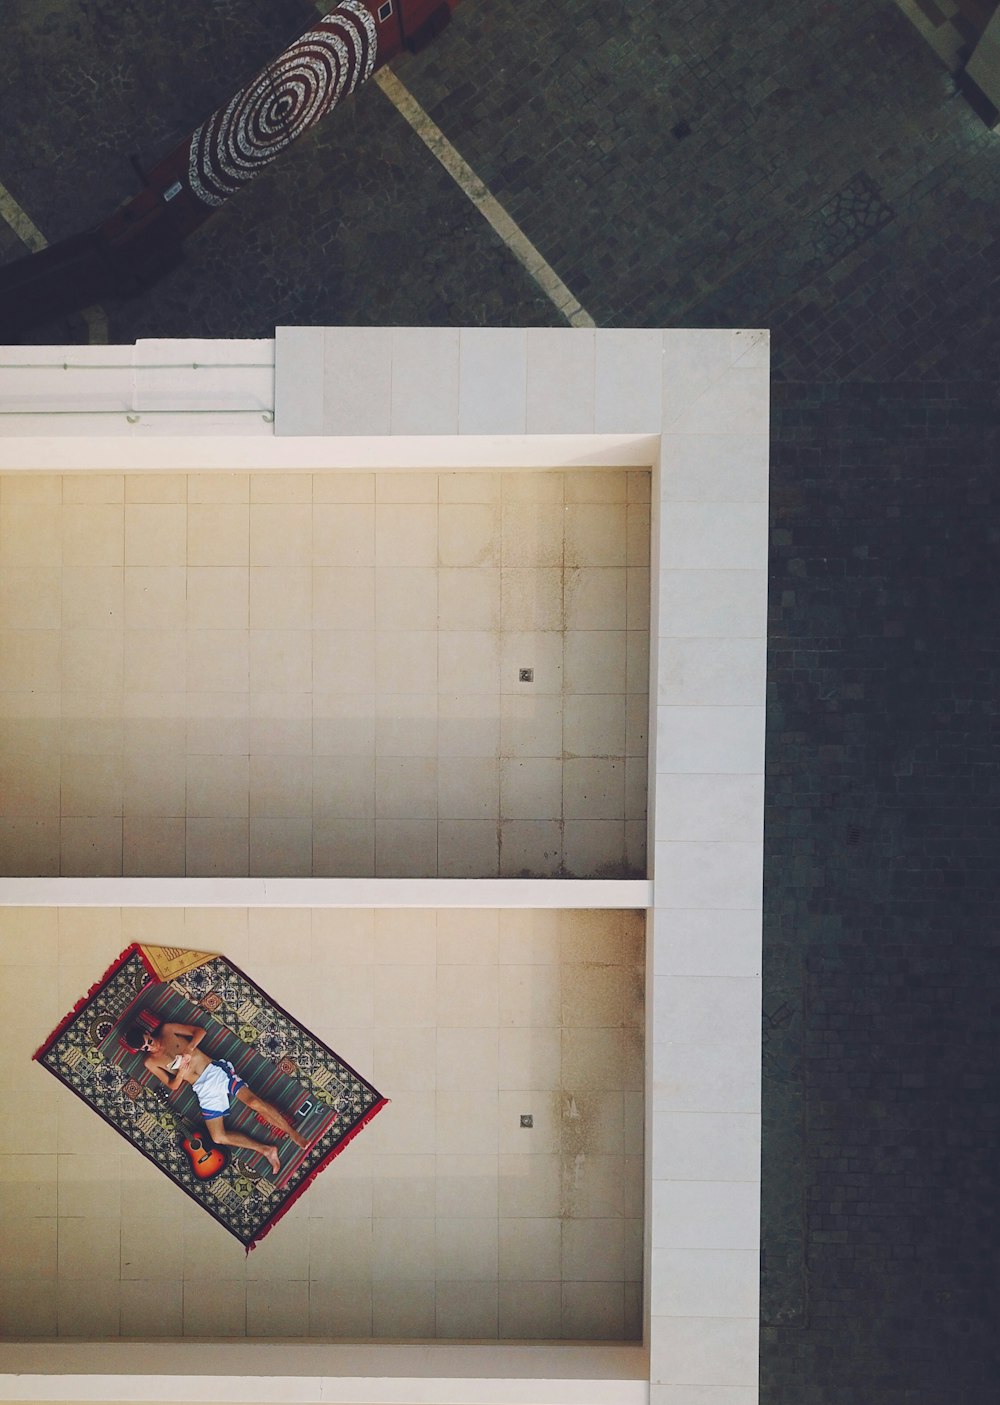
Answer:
[(182, 1122)]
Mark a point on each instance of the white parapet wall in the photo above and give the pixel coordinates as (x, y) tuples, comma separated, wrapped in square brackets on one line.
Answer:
[(156, 387), (693, 406)]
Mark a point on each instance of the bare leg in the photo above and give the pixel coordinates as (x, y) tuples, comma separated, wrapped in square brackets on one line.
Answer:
[(268, 1110), (222, 1136)]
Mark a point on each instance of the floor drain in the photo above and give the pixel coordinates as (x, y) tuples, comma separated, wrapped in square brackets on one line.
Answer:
[(527, 1120), (526, 675)]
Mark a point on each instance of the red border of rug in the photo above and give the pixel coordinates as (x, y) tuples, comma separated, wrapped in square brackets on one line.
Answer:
[(330, 1156), (136, 949), (68, 1019)]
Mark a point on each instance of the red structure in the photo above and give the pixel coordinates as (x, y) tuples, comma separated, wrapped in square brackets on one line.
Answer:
[(143, 238)]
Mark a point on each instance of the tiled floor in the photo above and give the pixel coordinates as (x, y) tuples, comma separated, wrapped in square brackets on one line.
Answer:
[(444, 1219), (290, 674)]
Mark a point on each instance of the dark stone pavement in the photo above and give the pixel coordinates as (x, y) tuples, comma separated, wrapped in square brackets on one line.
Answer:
[(832, 186), (881, 1107)]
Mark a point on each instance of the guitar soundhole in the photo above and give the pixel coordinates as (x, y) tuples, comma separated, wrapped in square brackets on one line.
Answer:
[(206, 1161)]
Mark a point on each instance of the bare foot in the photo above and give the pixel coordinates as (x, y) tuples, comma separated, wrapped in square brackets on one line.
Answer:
[(299, 1141), (271, 1152)]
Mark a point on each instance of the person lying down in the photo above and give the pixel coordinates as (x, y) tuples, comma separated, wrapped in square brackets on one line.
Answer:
[(174, 1057)]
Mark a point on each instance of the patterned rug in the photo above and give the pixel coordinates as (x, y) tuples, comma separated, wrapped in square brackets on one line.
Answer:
[(321, 1096)]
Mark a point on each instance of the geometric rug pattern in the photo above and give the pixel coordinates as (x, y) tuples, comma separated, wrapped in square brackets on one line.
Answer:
[(282, 1062)]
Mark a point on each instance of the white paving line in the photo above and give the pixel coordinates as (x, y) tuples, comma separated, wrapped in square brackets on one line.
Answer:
[(488, 206), (34, 240), (13, 216)]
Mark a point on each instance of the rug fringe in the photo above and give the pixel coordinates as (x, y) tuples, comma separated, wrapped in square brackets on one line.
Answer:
[(136, 947), (118, 961), (330, 1156)]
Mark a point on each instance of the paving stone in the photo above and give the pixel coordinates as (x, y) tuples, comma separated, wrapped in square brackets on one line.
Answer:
[(881, 1109), (567, 112)]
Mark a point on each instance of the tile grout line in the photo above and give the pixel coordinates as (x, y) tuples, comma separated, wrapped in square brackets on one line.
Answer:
[(124, 506), (530, 259), (35, 241)]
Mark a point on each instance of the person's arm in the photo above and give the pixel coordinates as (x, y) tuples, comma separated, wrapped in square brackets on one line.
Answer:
[(158, 1072), (198, 1034), (195, 1032), (192, 1032)]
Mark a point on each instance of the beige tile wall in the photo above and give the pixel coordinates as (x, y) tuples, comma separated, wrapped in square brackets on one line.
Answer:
[(294, 674), (444, 1219)]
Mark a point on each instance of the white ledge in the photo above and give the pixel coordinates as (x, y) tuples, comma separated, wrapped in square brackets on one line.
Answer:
[(466, 452), (327, 892), (383, 1374)]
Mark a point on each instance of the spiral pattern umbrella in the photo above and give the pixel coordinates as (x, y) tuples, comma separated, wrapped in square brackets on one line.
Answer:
[(283, 101)]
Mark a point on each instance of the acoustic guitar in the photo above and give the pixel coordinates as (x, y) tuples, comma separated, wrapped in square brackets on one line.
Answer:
[(207, 1160)]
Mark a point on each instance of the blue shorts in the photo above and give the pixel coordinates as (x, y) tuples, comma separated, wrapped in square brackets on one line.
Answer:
[(216, 1087)]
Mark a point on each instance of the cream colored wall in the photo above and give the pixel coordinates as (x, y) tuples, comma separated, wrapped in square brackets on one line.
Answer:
[(295, 674)]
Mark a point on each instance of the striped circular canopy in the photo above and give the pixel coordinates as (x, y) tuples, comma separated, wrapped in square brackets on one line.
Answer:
[(285, 99)]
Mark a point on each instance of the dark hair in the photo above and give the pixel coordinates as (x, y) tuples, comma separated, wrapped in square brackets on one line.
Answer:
[(137, 1033)]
